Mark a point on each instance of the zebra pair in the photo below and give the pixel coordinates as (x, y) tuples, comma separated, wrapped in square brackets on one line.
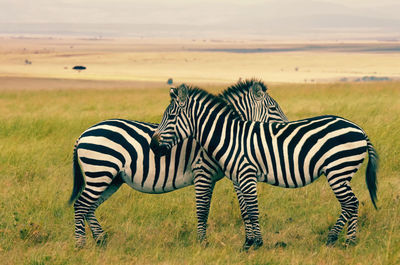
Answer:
[(117, 151), (286, 154)]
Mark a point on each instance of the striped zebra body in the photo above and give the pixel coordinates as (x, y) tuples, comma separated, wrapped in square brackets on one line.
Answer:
[(120, 146), (294, 154), (285, 154), (117, 151)]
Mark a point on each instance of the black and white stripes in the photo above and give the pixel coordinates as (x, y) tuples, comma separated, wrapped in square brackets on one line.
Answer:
[(257, 104), (286, 154), (117, 151)]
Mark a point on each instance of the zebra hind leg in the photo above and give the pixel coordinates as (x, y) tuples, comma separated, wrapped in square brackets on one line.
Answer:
[(80, 210), (98, 233), (84, 207), (349, 213)]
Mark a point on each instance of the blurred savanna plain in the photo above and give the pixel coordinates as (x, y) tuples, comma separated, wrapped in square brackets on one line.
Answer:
[(45, 105)]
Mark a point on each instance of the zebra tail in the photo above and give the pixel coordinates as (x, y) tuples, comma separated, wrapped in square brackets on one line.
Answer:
[(370, 175), (79, 182)]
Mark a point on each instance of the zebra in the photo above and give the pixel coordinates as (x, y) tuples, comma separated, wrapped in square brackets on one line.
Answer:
[(117, 151), (255, 106), (286, 154)]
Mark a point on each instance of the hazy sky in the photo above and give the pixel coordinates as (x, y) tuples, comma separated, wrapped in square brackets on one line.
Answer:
[(173, 11), (253, 15)]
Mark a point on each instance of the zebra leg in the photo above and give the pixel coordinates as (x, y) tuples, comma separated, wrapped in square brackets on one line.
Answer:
[(80, 210), (204, 171), (87, 201), (248, 187), (248, 228), (98, 233), (349, 213), (204, 187)]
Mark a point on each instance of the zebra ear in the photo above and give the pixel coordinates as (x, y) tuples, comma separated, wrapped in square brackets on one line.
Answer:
[(257, 91), (182, 94), (173, 92)]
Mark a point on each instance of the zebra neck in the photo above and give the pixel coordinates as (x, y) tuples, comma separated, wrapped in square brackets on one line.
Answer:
[(218, 130)]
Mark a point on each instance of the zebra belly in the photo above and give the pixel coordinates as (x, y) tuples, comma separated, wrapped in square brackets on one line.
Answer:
[(280, 182), (165, 178)]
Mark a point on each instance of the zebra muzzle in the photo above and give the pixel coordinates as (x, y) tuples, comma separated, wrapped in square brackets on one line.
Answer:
[(158, 149)]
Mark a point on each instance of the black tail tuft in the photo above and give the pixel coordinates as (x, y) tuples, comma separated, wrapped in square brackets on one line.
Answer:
[(79, 182), (370, 175)]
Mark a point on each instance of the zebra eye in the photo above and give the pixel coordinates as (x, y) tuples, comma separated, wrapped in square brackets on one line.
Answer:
[(172, 116)]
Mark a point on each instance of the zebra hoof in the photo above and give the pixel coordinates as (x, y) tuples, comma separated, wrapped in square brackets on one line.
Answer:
[(101, 240), (351, 242), (247, 244), (204, 243), (80, 243), (258, 243), (203, 240), (331, 240), (201, 237)]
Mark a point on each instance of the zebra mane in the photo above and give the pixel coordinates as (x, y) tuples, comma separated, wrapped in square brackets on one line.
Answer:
[(200, 94), (241, 87)]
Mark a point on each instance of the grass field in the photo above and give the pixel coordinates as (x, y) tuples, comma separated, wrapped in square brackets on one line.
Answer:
[(39, 127)]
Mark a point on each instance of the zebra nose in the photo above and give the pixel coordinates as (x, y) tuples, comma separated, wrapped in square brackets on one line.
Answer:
[(158, 149), (155, 143)]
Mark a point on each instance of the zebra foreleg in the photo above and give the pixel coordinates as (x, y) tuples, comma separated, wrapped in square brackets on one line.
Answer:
[(204, 186), (248, 228), (248, 187), (349, 213)]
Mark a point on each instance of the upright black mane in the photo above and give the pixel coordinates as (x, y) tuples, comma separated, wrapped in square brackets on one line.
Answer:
[(242, 86), (200, 93)]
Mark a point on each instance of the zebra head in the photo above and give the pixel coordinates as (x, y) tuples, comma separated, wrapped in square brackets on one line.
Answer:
[(252, 101), (175, 125)]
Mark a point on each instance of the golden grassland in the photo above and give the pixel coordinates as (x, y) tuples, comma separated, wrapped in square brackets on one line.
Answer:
[(37, 133), (45, 106)]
